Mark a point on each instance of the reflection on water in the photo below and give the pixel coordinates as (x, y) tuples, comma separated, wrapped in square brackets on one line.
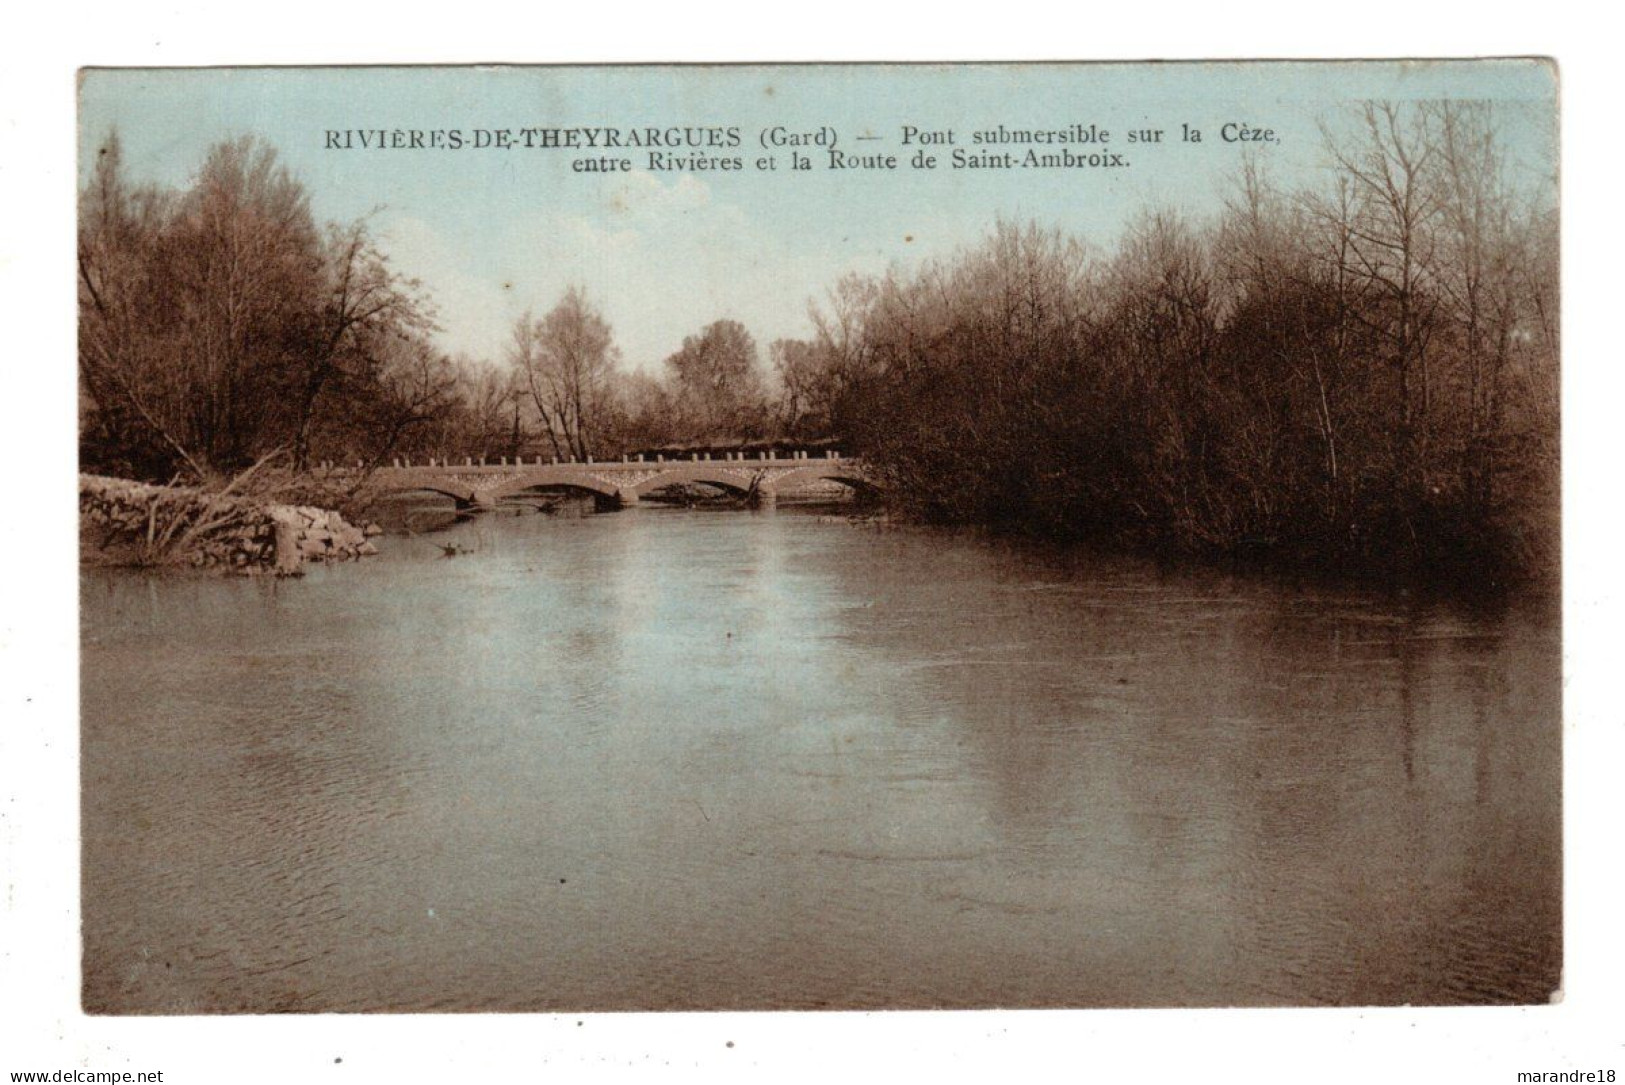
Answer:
[(665, 759)]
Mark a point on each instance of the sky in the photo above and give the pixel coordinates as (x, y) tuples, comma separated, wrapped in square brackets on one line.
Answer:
[(493, 233)]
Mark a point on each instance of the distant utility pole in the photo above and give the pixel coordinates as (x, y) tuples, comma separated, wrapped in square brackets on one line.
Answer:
[(515, 395)]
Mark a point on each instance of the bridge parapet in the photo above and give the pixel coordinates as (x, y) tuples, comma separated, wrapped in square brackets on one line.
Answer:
[(464, 463)]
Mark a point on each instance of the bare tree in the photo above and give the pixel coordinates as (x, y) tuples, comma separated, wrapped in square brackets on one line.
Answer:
[(801, 377), (567, 359), (127, 393), (220, 323), (718, 386), (367, 310), (1391, 249)]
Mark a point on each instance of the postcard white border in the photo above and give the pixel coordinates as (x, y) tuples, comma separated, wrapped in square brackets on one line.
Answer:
[(40, 1024)]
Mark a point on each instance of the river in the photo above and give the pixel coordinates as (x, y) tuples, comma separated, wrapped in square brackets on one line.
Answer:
[(716, 759)]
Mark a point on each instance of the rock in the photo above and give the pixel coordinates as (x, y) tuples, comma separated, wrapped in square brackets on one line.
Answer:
[(258, 536)]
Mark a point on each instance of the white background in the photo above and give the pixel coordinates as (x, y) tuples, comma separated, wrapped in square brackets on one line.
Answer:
[(41, 1027)]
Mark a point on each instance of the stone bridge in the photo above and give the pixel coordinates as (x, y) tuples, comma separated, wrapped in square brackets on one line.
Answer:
[(479, 483)]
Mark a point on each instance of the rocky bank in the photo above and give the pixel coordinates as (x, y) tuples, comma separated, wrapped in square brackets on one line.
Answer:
[(126, 522)]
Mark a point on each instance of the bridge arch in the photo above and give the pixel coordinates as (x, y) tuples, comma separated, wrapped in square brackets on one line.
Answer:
[(574, 486), (463, 498), (694, 476), (824, 472), (548, 478), (856, 483)]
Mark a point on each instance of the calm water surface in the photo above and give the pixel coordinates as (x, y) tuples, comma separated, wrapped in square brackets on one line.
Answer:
[(669, 759)]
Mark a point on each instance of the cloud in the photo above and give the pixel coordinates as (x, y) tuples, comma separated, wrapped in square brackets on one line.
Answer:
[(643, 196)]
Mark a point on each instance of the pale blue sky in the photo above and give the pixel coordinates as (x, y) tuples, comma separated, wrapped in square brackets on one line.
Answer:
[(494, 232)]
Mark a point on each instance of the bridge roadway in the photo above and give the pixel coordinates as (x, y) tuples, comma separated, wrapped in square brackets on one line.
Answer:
[(475, 483)]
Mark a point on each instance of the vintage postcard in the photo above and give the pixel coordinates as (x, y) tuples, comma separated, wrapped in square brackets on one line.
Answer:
[(819, 537)]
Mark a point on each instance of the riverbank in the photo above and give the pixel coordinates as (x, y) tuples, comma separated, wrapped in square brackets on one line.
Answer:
[(129, 523)]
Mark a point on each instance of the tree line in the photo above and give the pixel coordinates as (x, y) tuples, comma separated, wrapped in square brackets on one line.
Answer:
[(1359, 371), (222, 324)]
